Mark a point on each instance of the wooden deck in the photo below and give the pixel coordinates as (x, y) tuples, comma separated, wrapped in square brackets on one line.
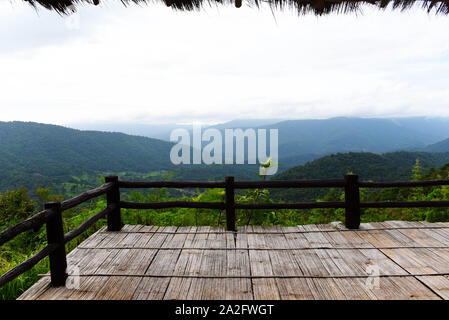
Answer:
[(303, 262)]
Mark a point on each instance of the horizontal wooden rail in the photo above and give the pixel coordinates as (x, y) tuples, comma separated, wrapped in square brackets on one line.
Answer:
[(27, 265), (88, 195), (170, 184), (52, 216), (410, 184), (300, 205), (405, 204), (172, 204), (222, 205), (46, 251), (328, 183), (33, 222), (88, 223)]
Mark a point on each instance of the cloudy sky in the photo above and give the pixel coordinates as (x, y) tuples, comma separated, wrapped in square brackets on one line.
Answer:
[(153, 65)]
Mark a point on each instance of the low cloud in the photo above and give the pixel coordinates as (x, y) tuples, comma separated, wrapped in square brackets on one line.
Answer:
[(151, 64)]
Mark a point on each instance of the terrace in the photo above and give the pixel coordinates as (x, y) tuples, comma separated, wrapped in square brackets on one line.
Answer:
[(388, 260)]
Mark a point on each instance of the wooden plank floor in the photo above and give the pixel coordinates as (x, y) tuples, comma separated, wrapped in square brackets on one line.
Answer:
[(388, 260)]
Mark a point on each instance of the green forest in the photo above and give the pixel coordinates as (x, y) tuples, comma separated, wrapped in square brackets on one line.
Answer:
[(16, 205), (41, 163), (71, 161)]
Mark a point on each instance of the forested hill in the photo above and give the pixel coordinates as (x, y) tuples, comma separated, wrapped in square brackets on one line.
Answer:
[(343, 134), (369, 166), (39, 146), (46, 152), (442, 146), (311, 139), (71, 161)]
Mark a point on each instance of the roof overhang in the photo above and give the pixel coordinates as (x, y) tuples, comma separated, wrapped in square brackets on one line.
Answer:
[(317, 7)]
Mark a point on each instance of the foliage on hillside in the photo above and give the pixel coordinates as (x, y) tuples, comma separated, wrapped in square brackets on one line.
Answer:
[(34, 154), (426, 159), (15, 206), (394, 166), (403, 194), (343, 134), (69, 161), (441, 146)]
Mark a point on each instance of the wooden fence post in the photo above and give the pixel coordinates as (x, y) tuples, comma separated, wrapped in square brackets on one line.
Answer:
[(352, 201), (230, 209), (113, 197), (55, 235)]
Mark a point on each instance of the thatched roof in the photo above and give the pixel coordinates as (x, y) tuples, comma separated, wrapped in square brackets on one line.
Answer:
[(302, 6)]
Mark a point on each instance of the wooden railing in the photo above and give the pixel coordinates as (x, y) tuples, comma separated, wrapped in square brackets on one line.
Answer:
[(52, 215), (56, 240)]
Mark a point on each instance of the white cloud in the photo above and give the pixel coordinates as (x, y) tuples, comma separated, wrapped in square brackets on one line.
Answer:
[(151, 64)]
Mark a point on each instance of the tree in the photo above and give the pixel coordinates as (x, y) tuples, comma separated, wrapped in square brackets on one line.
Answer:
[(417, 170), (15, 206), (44, 195)]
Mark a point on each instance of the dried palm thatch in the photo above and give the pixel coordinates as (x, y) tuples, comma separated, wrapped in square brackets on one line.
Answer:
[(317, 7)]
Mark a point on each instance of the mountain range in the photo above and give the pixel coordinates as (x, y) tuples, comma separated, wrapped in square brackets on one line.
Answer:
[(440, 146), (35, 154), (395, 166), (323, 136), (298, 137)]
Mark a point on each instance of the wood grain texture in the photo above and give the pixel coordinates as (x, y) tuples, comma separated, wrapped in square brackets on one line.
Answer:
[(385, 260)]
